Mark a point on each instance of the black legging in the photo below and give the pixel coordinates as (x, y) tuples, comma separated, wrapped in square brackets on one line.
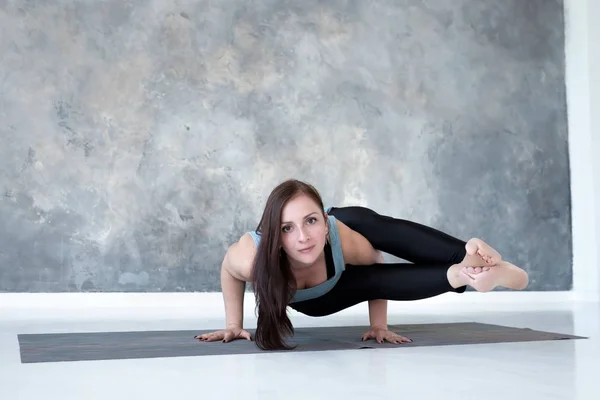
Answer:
[(430, 253)]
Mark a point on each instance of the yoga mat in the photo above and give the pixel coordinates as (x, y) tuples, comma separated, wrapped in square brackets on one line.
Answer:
[(56, 347)]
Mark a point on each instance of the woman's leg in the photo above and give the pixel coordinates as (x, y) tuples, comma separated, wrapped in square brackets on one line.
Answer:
[(412, 241), (394, 281), (405, 282)]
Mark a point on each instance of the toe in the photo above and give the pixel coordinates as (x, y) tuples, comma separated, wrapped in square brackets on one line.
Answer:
[(471, 247)]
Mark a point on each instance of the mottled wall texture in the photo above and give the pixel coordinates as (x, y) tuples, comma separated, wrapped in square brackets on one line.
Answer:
[(140, 138)]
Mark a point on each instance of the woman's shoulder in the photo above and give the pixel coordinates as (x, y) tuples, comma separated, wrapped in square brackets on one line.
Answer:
[(240, 257), (355, 247)]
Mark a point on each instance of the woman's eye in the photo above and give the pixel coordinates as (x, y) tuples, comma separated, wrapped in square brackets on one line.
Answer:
[(312, 220), (286, 229)]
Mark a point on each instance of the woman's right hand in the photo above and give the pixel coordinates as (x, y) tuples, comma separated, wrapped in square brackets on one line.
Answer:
[(226, 335)]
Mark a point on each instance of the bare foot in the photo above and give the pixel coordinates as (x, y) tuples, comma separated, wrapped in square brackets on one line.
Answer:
[(480, 256), (502, 274), (476, 270), (477, 247)]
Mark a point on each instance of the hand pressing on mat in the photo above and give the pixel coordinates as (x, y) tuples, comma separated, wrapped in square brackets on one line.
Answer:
[(381, 335), (226, 335)]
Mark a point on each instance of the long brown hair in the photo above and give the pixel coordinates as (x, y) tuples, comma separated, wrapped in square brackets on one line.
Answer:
[(272, 279)]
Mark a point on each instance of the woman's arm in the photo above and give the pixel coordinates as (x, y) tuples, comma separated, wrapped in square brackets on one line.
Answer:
[(378, 308), (359, 251), (378, 314), (233, 297), (235, 271)]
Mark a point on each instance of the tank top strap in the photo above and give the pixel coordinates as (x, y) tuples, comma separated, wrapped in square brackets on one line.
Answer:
[(336, 245), (255, 236)]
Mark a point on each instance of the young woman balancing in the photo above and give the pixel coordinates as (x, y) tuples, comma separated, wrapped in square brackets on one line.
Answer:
[(319, 261)]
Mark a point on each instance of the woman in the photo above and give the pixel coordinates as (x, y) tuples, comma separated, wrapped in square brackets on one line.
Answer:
[(320, 261)]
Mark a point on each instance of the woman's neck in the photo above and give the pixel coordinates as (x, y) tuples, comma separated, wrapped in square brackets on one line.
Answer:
[(299, 268)]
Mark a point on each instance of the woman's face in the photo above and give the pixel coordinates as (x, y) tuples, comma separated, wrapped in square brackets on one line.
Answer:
[(304, 230)]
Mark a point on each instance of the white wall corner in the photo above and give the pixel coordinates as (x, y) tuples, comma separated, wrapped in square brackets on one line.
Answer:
[(581, 52), (594, 70)]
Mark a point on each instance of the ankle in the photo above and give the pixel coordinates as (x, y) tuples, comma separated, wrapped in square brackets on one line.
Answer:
[(455, 277)]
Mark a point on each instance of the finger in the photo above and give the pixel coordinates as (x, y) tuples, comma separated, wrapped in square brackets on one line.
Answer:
[(215, 336), (246, 335), (398, 339), (228, 337)]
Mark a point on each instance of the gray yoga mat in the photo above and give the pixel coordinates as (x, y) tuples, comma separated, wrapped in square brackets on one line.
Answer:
[(55, 347)]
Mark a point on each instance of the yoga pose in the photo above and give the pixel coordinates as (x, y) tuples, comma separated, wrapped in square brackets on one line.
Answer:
[(321, 260)]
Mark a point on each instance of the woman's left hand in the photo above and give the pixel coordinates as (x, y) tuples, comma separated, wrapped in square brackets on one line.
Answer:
[(381, 335)]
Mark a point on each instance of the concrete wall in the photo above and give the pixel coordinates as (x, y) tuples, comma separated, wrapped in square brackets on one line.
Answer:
[(141, 138)]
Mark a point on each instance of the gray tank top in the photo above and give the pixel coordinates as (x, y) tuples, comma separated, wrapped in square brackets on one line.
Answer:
[(338, 262)]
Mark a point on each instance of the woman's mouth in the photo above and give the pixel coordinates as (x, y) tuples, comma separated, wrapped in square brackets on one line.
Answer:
[(307, 250)]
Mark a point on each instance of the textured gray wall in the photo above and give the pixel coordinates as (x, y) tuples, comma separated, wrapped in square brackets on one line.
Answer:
[(140, 138)]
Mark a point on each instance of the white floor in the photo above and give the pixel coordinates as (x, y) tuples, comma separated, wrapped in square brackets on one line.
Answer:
[(537, 370)]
